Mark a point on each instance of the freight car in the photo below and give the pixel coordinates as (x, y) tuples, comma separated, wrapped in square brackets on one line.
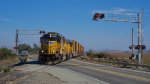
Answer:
[(54, 47)]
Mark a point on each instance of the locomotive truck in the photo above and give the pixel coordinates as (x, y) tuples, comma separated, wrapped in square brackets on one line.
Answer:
[(55, 47)]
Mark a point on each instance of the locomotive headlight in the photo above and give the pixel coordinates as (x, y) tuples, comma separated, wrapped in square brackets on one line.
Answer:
[(42, 51)]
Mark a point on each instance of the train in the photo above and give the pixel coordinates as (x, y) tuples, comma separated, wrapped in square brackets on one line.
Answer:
[(55, 47)]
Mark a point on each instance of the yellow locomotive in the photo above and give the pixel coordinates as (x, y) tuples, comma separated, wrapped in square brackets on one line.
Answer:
[(54, 47)]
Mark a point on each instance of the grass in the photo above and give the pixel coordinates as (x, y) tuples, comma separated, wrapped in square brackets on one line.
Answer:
[(146, 56), (6, 63), (7, 58), (120, 55)]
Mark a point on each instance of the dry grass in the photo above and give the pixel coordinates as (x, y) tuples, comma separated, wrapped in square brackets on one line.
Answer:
[(9, 61), (120, 55), (146, 56)]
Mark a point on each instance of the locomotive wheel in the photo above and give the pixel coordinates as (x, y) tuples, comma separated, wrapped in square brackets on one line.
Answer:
[(66, 57), (53, 60), (39, 59), (59, 59), (42, 60), (25, 60)]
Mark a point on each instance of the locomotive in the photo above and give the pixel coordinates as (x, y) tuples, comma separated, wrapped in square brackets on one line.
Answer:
[(55, 47)]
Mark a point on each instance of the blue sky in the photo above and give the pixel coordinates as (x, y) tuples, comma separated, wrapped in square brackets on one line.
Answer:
[(73, 19)]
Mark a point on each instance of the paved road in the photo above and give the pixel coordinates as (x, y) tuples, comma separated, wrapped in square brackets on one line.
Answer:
[(108, 74), (78, 72)]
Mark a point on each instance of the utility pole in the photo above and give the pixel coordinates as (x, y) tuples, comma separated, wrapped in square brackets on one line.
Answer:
[(132, 43), (17, 34)]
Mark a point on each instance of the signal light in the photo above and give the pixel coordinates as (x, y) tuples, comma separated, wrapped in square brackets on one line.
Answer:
[(16, 47), (98, 16), (42, 32), (131, 47), (143, 47), (140, 46)]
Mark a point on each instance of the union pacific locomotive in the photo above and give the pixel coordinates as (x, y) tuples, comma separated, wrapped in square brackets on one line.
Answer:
[(54, 47)]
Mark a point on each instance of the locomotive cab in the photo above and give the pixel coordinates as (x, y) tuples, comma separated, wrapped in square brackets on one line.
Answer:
[(50, 43)]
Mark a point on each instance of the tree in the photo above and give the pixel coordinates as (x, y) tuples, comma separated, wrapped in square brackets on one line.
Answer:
[(24, 47), (5, 53), (35, 48), (90, 52)]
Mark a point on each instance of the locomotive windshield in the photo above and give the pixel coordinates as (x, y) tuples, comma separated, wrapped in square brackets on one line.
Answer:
[(50, 37)]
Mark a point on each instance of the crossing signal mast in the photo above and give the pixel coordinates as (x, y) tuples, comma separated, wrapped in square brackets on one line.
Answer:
[(126, 17)]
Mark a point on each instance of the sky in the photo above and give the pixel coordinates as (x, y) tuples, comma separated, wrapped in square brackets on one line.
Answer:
[(72, 19)]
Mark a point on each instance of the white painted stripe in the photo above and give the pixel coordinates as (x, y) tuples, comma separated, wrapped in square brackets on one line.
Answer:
[(88, 76)]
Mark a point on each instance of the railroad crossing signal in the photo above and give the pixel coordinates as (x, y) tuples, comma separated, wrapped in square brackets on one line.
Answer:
[(26, 32), (126, 17)]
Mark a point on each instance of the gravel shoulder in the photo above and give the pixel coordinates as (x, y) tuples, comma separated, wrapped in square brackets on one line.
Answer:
[(7, 78), (39, 78)]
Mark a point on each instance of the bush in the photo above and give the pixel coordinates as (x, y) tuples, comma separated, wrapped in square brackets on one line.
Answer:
[(93, 54), (90, 52), (26, 47), (5, 53), (6, 70), (100, 54)]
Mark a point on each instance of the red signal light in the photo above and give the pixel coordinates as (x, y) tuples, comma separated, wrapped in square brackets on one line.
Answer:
[(143, 47), (102, 16), (98, 16)]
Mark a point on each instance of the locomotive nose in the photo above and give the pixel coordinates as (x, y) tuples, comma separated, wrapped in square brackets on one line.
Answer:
[(52, 47)]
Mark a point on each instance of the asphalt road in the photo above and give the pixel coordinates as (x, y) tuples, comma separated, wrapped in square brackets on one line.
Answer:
[(107, 74), (78, 72)]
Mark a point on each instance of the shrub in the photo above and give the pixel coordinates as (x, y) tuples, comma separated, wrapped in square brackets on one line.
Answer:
[(100, 54), (93, 54), (6, 70), (5, 53), (90, 52)]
